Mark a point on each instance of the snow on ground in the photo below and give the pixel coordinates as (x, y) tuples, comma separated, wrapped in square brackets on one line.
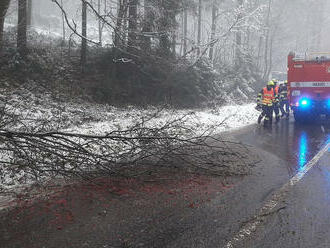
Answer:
[(218, 120), (44, 110)]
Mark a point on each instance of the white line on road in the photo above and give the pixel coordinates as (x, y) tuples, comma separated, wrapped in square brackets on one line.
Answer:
[(250, 227)]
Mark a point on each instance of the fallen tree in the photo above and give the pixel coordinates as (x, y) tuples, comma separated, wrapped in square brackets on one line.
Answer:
[(38, 152)]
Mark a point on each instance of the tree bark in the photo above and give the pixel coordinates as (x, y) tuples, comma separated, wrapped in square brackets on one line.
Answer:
[(84, 35), (4, 4), (132, 24), (122, 9), (22, 27)]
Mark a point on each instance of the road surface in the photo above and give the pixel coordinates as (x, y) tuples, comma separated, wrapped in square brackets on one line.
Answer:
[(285, 202)]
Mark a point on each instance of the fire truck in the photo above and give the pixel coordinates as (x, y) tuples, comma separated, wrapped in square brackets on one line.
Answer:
[(309, 86)]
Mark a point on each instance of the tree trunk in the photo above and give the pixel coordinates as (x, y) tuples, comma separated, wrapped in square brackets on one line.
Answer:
[(29, 13), (63, 24), (22, 27), (4, 4), (266, 74), (147, 26), (199, 29), (185, 31), (100, 23), (132, 24), (122, 8), (84, 34), (213, 29), (238, 41)]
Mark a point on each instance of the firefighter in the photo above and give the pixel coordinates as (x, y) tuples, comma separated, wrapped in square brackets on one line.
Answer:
[(284, 102), (265, 102), (276, 107)]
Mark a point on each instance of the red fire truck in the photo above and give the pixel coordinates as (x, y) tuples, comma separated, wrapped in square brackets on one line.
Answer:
[(309, 85)]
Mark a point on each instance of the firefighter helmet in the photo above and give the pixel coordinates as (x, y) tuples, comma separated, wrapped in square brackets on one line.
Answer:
[(270, 83)]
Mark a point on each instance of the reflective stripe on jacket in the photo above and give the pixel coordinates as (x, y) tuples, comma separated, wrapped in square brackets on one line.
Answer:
[(268, 97), (283, 93)]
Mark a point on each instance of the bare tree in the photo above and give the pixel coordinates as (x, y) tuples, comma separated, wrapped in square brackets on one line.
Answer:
[(4, 4)]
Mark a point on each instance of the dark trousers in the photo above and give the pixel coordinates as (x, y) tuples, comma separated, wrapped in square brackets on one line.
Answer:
[(285, 104), (277, 110), (267, 112)]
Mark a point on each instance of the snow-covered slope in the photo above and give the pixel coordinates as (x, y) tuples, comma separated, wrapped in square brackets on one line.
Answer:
[(43, 110)]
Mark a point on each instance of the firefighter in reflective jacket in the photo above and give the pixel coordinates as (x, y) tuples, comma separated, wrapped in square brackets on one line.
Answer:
[(284, 102), (265, 102), (276, 107)]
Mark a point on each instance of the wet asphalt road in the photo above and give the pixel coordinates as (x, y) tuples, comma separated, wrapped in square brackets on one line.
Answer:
[(302, 218), (292, 142)]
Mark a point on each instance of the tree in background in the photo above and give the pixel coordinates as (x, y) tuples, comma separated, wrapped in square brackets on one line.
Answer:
[(147, 26), (4, 4), (29, 12), (84, 35), (132, 24), (238, 41), (213, 28), (122, 7), (22, 27), (199, 27)]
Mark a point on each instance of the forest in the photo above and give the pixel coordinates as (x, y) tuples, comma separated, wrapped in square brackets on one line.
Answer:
[(186, 53)]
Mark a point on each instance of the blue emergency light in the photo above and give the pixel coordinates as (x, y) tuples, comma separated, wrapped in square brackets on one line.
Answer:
[(305, 102)]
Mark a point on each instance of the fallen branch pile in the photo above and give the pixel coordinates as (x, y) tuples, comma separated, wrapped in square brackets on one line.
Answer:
[(40, 153)]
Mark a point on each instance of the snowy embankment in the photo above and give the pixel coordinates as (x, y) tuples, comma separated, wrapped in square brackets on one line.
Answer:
[(214, 120), (43, 112)]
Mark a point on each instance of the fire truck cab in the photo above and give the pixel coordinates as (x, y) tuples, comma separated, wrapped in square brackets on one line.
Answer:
[(309, 85)]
